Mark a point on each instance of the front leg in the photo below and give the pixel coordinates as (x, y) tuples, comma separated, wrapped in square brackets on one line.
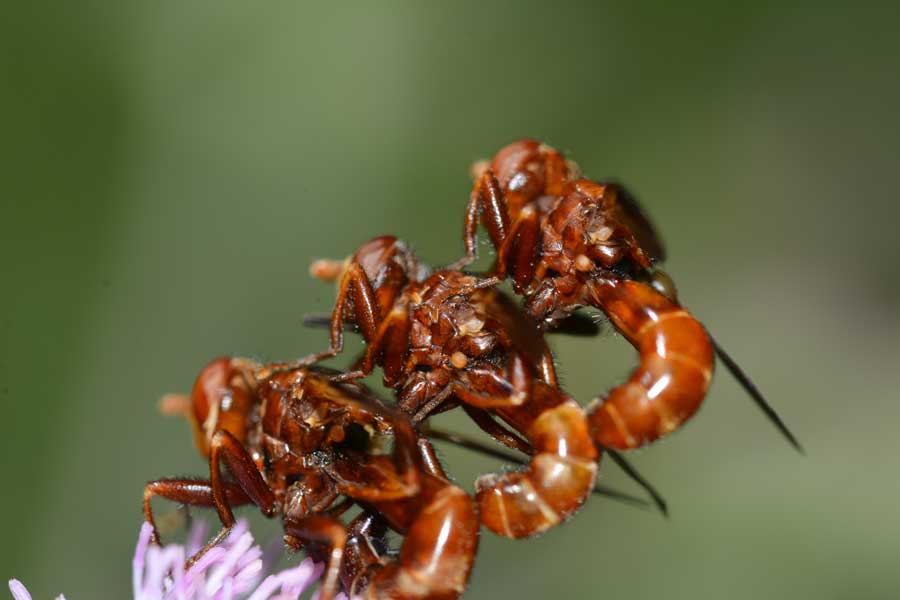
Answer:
[(355, 286), (321, 529), (366, 551), (226, 448), (518, 251), (398, 475), (438, 550), (192, 492), (487, 424), (486, 200), (486, 388), (430, 460), (391, 342)]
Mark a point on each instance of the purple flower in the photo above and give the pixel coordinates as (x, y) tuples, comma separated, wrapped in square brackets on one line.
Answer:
[(20, 593), (233, 570)]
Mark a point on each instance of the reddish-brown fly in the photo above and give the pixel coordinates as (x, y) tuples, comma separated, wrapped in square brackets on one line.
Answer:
[(296, 443), (446, 339), (568, 242)]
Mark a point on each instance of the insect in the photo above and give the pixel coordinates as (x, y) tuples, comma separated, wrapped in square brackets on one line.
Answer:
[(293, 445), (567, 242), (446, 339)]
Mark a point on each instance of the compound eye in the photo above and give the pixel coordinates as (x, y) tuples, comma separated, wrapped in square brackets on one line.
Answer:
[(525, 182), (208, 389), (514, 158), (375, 254), (518, 181)]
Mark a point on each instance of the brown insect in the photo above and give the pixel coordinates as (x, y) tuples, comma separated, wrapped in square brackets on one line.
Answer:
[(447, 339), (293, 445), (567, 242)]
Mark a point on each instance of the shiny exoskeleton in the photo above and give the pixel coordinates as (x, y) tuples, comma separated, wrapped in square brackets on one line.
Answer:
[(446, 339), (301, 442), (293, 445), (567, 242)]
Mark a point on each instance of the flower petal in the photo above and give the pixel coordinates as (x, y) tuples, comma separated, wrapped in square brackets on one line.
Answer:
[(18, 590)]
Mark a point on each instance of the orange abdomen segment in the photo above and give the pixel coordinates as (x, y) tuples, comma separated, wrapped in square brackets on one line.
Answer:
[(556, 483), (437, 554), (670, 382)]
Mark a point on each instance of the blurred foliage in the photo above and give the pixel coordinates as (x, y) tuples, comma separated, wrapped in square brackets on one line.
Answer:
[(169, 170)]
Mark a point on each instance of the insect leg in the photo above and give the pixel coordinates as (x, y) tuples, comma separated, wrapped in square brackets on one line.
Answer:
[(516, 384), (226, 448), (486, 200), (497, 431), (321, 529), (365, 550), (519, 248), (355, 286), (193, 492), (399, 474), (430, 460), (389, 342), (438, 551)]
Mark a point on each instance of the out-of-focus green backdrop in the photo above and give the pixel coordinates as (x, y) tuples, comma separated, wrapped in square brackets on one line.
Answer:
[(169, 169)]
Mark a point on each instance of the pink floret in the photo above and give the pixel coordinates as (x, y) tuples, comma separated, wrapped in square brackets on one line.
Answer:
[(233, 570)]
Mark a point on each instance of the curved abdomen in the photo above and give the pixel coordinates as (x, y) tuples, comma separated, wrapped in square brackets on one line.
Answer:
[(437, 554), (559, 477), (676, 365)]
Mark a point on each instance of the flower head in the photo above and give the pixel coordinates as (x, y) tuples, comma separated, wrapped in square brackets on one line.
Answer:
[(233, 570)]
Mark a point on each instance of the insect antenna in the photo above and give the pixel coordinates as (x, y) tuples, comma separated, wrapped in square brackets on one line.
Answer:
[(755, 394), (476, 446)]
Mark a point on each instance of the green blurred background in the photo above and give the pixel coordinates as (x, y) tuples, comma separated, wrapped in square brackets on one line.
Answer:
[(169, 170)]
